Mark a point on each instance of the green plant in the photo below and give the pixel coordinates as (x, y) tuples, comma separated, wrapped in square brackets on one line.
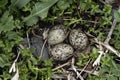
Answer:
[(18, 17)]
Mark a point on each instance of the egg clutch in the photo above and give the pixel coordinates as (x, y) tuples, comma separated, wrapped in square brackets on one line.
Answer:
[(77, 40)]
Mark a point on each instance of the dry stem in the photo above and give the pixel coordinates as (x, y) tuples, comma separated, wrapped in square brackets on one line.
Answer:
[(58, 67), (28, 40), (73, 67), (85, 66), (106, 45), (111, 31), (41, 52)]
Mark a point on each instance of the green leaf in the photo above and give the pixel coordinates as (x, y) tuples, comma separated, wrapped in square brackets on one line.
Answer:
[(45, 0), (115, 72), (48, 63), (111, 77), (6, 22), (3, 3), (107, 10), (94, 53), (5, 76), (19, 3), (63, 4), (1, 44), (95, 9), (117, 16), (3, 60), (39, 10)]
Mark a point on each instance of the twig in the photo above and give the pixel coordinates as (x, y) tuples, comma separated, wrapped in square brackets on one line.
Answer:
[(66, 73), (28, 40), (45, 34), (58, 67), (117, 60), (73, 67), (96, 19), (97, 61), (85, 66), (36, 34), (13, 67), (111, 31), (41, 52), (21, 46), (68, 77), (108, 47), (17, 56), (58, 76), (106, 44), (101, 52), (16, 76), (96, 73)]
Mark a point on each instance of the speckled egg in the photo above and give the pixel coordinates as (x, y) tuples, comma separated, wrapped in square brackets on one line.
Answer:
[(78, 39), (61, 52), (57, 34)]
